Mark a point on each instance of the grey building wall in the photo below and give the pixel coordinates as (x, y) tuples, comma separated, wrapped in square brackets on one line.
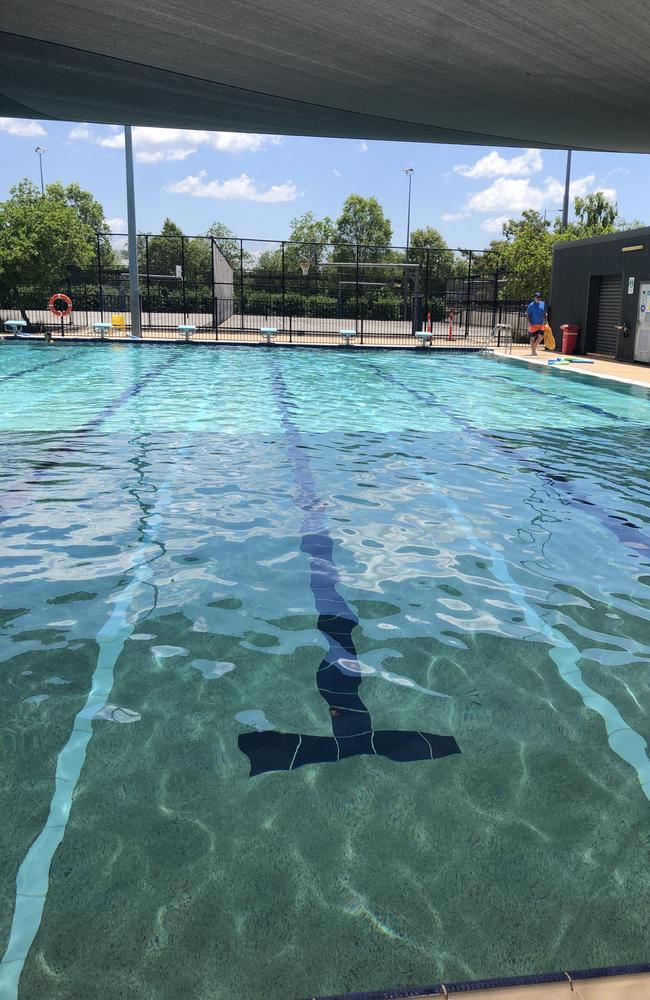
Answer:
[(577, 268)]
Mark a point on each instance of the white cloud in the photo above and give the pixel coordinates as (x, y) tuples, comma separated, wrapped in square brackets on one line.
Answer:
[(454, 216), (362, 147), (117, 225), (242, 142), (157, 145), (240, 188), (516, 195), (577, 188), (495, 165), (494, 225), (337, 173), (114, 141), (506, 195), (21, 127), (80, 131)]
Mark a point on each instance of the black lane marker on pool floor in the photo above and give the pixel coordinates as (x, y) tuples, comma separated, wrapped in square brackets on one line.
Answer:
[(632, 536), (36, 368), (352, 731)]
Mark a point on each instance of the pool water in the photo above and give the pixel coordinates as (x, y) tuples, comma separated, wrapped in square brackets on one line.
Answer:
[(322, 671)]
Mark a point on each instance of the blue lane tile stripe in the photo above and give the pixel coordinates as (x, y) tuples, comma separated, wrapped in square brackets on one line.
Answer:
[(632, 536), (625, 742), (338, 677), (36, 368), (32, 878), (95, 422), (129, 393), (547, 395), (439, 989)]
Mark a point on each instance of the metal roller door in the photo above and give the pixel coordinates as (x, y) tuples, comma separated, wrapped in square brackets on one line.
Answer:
[(609, 314)]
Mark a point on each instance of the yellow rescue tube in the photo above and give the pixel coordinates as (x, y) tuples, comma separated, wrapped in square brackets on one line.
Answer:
[(549, 339)]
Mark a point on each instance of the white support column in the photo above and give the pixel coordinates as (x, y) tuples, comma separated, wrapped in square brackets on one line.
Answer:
[(134, 286)]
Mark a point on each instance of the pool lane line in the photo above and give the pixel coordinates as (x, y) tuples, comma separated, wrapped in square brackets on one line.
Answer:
[(32, 879), (338, 677), (61, 450), (623, 740), (633, 537), (36, 368), (468, 373)]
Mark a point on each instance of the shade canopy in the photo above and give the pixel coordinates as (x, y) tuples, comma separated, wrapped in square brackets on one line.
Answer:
[(565, 73)]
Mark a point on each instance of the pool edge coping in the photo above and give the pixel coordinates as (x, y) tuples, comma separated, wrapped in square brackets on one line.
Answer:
[(615, 380), (498, 982)]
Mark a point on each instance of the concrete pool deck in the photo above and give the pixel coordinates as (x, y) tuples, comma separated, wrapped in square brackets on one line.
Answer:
[(631, 987), (626, 372)]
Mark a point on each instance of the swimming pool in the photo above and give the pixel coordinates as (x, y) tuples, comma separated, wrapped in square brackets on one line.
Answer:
[(322, 672)]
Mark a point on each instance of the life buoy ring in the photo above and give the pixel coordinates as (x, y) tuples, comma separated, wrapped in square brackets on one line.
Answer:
[(60, 297)]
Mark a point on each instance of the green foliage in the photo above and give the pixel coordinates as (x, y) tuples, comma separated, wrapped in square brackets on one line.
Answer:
[(308, 241), (230, 246), (595, 214), (525, 255), (160, 255), (42, 235), (362, 223), (436, 260)]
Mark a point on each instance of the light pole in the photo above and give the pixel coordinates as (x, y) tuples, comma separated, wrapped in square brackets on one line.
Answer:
[(409, 173), (40, 150)]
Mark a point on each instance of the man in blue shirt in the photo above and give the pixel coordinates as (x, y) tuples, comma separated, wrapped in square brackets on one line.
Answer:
[(536, 313)]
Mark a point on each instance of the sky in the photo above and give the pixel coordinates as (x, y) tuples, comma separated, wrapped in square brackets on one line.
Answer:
[(256, 184)]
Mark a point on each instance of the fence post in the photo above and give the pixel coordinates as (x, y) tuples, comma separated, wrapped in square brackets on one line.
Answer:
[(214, 291), (495, 297), (146, 263), (183, 278), (469, 292), (99, 279), (241, 283), (425, 311), (357, 317), (284, 278)]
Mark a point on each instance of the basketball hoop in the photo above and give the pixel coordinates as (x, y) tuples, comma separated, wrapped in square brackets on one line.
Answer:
[(304, 267)]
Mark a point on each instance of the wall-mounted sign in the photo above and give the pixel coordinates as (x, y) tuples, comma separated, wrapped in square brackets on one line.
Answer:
[(630, 286), (179, 271), (642, 338)]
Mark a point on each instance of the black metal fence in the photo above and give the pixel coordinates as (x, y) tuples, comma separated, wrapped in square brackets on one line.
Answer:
[(232, 289)]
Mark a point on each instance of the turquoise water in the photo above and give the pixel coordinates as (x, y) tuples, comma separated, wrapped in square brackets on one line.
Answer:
[(409, 592)]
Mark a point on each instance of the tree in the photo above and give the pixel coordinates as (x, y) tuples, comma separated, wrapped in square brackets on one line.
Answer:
[(362, 223), (230, 246), (523, 257), (91, 214), (41, 236), (161, 255), (310, 240), (596, 214), (436, 260)]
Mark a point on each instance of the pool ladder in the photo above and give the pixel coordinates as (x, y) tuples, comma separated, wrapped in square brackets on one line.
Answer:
[(499, 336)]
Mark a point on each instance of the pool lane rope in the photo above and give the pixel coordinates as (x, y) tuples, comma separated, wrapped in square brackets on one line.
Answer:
[(626, 743), (32, 879)]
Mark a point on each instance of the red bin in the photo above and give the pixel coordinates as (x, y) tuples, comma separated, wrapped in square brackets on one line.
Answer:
[(569, 338)]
